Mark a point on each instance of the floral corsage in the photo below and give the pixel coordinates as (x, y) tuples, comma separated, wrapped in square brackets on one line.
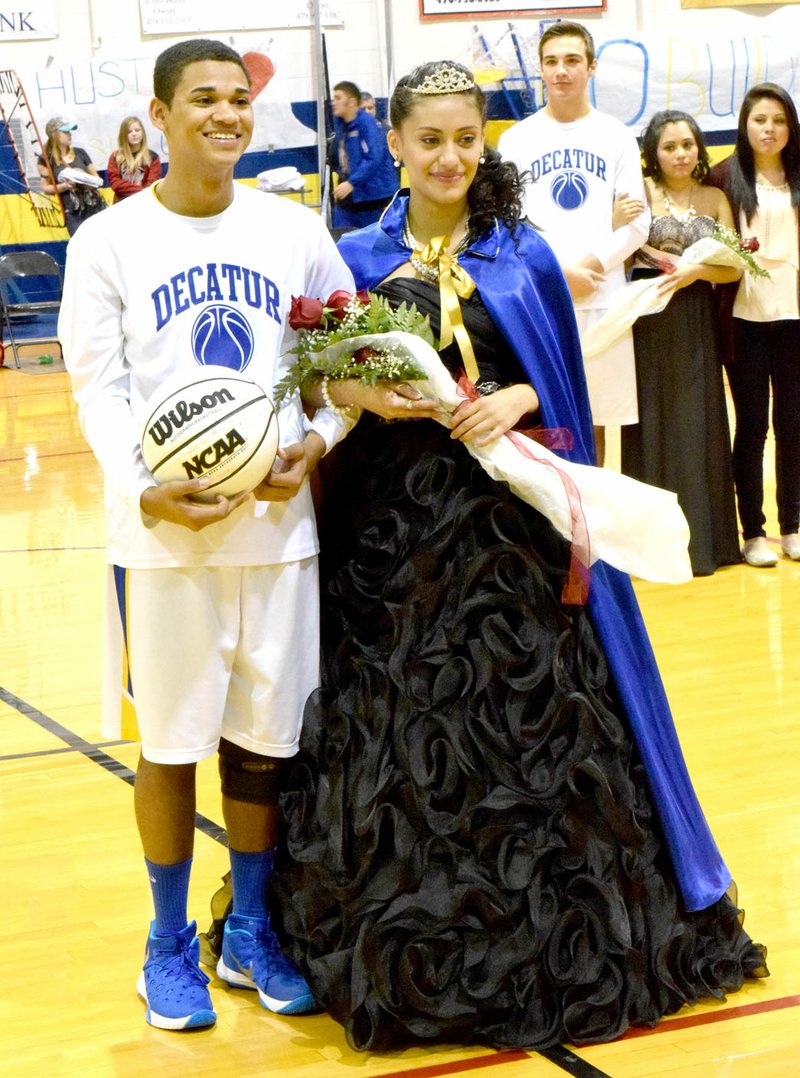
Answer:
[(342, 319)]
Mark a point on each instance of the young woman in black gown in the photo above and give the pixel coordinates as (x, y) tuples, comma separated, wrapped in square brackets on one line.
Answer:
[(480, 838), (682, 441)]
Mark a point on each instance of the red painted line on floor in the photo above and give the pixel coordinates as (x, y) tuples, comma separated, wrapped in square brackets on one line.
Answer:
[(460, 1066), (463, 1066), (725, 1015)]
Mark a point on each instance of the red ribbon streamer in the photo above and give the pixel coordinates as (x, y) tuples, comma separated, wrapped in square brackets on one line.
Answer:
[(576, 586)]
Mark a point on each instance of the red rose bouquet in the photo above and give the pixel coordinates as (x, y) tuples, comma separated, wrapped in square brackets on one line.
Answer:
[(343, 319), (744, 249)]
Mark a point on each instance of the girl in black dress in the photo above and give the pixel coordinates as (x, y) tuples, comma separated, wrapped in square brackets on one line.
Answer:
[(682, 441)]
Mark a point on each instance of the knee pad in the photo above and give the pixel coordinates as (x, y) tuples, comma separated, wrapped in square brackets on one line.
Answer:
[(246, 776)]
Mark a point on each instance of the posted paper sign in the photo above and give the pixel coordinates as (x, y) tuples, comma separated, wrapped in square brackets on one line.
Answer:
[(484, 9), (32, 21), (208, 16)]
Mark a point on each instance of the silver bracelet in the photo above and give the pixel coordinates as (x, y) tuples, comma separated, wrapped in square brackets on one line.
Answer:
[(327, 398)]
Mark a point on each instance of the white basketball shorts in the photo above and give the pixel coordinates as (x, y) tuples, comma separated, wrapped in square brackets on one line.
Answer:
[(204, 653)]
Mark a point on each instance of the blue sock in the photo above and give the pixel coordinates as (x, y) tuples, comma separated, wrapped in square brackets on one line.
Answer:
[(170, 887), (250, 873)]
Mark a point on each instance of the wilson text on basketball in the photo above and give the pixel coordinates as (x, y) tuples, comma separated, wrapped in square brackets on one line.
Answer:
[(183, 411)]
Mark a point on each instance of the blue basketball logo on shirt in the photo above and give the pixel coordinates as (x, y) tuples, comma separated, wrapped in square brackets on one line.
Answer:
[(569, 190), (222, 336)]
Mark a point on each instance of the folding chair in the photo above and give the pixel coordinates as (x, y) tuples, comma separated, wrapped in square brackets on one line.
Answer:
[(30, 290)]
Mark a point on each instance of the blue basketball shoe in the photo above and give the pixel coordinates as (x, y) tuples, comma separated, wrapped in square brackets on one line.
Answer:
[(172, 984), (251, 958)]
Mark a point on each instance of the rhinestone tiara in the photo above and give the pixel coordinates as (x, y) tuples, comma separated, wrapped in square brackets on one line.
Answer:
[(447, 80)]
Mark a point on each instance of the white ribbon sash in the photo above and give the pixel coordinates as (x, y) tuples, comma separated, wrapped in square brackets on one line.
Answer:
[(638, 298), (635, 527)]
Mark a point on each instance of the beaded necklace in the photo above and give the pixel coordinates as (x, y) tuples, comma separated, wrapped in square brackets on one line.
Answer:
[(428, 273), (681, 215)]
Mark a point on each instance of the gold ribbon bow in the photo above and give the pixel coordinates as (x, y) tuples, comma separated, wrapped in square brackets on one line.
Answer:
[(454, 281)]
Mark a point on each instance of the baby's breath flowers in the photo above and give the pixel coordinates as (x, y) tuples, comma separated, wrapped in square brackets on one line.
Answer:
[(345, 317), (744, 248)]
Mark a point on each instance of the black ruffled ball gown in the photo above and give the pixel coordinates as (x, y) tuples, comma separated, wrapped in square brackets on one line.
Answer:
[(471, 852)]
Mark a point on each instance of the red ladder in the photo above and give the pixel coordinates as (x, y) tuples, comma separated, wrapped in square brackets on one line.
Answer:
[(20, 130)]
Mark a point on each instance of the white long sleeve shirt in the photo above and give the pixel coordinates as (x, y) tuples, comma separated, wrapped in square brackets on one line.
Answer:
[(148, 294), (576, 171)]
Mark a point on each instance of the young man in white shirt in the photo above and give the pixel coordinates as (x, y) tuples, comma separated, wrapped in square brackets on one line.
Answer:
[(580, 160), (215, 603)]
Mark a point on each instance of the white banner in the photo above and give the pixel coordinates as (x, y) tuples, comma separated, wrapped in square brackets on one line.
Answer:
[(706, 75), (98, 93), (36, 22), (208, 16)]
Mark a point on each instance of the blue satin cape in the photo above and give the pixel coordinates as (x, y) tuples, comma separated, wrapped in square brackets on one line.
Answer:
[(524, 291)]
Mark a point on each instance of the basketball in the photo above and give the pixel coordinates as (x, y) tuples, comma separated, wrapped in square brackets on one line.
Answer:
[(222, 426)]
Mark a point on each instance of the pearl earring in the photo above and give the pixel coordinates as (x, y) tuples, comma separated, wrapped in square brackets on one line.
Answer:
[(481, 160), (397, 162)]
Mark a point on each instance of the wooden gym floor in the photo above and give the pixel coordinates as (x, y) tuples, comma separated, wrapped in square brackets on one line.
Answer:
[(75, 898)]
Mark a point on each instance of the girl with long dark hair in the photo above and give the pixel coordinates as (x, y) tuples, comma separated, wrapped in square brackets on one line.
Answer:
[(682, 441), (762, 181), (491, 834)]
